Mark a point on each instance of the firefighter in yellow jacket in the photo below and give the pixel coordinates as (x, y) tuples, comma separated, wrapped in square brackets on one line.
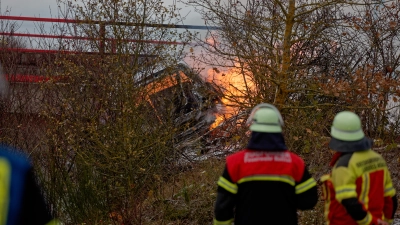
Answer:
[(359, 190)]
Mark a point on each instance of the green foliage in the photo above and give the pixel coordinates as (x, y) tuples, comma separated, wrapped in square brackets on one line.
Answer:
[(104, 146), (104, 154), (104, 141)]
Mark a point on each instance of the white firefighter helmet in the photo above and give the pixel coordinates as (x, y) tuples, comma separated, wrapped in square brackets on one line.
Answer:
[(265, 118), (347, 127)]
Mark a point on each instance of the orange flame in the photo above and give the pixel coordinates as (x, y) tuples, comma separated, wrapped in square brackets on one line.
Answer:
[(234, 83)]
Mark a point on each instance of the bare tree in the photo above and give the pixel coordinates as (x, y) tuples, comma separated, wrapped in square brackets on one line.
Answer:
[(311, 58), (105, 146)]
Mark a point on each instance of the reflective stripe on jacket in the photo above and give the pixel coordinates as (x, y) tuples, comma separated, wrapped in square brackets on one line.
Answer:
[(364, 177), (264, 187), (21, 201)]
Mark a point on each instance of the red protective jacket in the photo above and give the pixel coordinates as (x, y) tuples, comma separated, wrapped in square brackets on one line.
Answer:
[(264, 186), (359, 190)]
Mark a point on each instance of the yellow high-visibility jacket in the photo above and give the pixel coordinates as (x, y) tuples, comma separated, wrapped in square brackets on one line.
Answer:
[(21, 201), (359, 190)]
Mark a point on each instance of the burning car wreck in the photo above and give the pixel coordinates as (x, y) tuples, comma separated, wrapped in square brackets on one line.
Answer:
[(194, 101), (177, 94)]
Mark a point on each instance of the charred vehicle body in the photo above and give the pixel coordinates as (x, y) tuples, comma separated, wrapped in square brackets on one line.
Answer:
[(194, 102)]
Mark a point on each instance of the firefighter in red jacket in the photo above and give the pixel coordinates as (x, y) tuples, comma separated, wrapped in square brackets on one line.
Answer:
[(264, 183), (359, 190)]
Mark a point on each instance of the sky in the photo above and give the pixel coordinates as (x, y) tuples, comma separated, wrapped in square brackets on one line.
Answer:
[(36, 8), (48, 8)]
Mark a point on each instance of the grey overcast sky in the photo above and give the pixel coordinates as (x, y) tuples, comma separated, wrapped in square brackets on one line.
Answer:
[(48, 8), (32, 8)]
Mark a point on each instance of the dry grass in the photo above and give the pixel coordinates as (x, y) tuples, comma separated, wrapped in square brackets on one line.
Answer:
[(187, 198)]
